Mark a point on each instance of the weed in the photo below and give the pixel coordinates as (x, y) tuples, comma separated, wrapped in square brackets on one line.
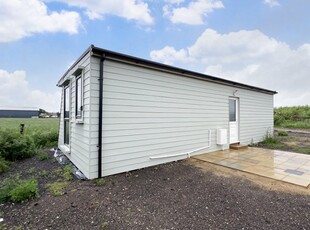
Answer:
[(58, 172), (100, 181), (43, 173), (282, 133), (25, 190), (67, 173), (56, 188), (32, 170), (18, 190), (104, 224), (269, 139), (4, 165), (3, 226), (42, 155)]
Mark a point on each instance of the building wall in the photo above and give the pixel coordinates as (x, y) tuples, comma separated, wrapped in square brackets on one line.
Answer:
[(80, 133), (19, 113), (256, 116), (151, 113)]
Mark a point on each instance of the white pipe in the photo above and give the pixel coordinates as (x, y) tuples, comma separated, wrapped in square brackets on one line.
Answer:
[(186, 153)]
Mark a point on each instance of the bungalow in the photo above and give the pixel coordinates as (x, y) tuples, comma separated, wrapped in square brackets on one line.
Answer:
[(121, 113)]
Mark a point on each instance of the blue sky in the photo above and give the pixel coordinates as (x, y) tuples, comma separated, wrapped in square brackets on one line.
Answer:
[(265, 43)]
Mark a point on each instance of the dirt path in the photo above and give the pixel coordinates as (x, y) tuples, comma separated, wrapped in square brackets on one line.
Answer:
[(171, 196), (303, 131)]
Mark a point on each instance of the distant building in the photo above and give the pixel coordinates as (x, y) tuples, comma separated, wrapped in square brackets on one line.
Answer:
[(18, 112)]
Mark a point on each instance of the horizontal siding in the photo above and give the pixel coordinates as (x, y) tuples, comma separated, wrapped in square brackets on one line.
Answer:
[(79, 133), (256, 116), (151, 113)]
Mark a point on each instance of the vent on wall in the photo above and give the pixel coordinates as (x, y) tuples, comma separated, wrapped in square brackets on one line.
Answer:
[(221, 137)]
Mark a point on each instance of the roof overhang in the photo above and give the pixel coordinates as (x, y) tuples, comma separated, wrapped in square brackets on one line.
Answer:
[(111, 55)]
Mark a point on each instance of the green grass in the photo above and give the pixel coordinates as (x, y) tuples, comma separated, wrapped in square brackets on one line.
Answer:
[(56, 188), (31, 124), (100, 182), (282, 133)]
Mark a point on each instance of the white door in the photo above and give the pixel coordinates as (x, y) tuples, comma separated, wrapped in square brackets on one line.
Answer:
[(233, 120)]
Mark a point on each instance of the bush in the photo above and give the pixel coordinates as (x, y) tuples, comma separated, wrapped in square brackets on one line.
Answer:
[(15, 146), (6, 186), (42, 155), (45, 138), (4, 165), (25, 190), (18, 190), (282, 133)]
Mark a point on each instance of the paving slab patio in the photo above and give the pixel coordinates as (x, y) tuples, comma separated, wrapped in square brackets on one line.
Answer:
[(284, 166)]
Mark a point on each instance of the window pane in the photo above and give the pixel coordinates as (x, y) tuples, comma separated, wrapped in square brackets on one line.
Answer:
[(78, 105), (67, 103), (232, 110)]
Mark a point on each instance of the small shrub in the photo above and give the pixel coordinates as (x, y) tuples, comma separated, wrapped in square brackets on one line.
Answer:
[(43, 173), (18, 190), (6, 186), (45, 138), (15, 146), (56, 188), (282, 133), (67, 173), (104, 225), (32, 170), (269, 139), (25, 190), (42, 155), (100, 181), (4, 165)]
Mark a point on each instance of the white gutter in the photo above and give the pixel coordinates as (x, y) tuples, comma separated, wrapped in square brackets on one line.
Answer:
[(186, 153)]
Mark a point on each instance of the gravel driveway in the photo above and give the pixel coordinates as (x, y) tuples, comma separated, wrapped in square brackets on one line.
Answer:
[(171, 196)]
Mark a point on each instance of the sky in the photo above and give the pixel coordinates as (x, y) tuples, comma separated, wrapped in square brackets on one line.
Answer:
[(265, 43)]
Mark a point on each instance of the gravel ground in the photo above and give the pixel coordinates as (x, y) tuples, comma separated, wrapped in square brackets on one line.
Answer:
[(178, 195)]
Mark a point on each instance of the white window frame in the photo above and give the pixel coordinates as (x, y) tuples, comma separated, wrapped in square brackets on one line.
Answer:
[(79, 74), (67, 88)]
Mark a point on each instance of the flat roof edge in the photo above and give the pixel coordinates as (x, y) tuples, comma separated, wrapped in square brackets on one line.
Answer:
[(96, 51)]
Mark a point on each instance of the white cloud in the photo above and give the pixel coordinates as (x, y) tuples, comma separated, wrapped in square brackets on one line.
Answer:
[(193, 14), (129, 9), (169, 54), (272, 3), (15, 91), (249, 57), (20, 18), (174, 1)]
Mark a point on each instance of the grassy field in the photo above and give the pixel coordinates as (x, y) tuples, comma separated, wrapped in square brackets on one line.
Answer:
[(295, 117), (31, 124)]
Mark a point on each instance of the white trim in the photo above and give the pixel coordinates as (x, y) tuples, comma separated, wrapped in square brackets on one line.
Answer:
[(237, 124), (65, 149), (78, 74)]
